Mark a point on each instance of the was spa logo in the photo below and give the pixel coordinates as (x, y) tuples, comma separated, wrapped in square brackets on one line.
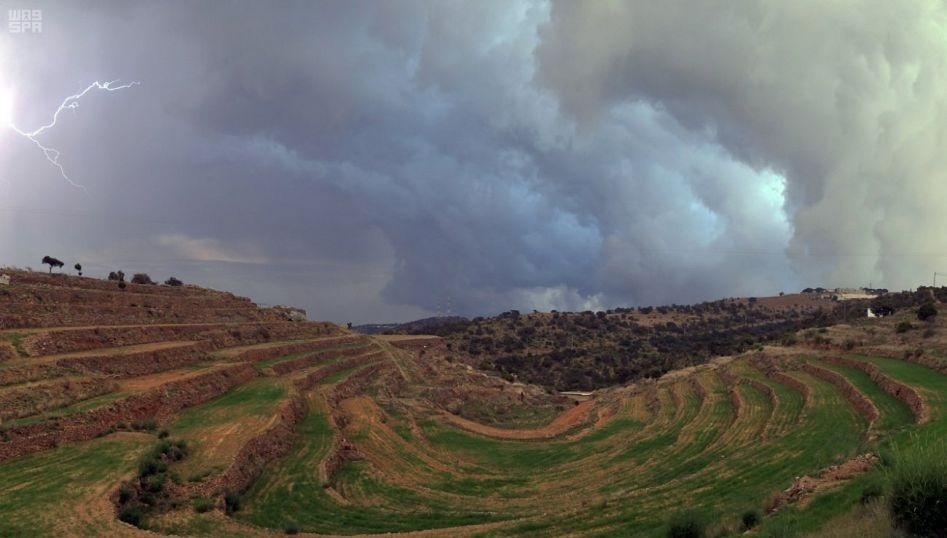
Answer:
[(25, 21)]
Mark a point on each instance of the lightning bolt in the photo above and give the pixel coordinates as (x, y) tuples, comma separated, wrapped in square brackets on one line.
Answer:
[(69, 103)]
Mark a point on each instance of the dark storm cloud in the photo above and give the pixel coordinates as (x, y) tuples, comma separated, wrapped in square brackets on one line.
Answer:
[(844, 99), (375, 161)]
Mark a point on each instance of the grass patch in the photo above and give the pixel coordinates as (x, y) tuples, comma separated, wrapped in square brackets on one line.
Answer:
[(40, 491), (918, 497), (16, 339)]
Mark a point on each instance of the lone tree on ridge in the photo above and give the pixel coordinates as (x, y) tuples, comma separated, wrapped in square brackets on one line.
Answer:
[(52, 262)]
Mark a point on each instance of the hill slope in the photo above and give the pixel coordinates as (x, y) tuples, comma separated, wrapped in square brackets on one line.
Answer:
[(216, 418)]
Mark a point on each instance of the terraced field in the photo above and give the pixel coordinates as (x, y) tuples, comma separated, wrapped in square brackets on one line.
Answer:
[(303, 427)]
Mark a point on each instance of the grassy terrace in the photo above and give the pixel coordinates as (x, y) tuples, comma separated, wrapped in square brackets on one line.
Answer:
[(65, 490), (217, 430)]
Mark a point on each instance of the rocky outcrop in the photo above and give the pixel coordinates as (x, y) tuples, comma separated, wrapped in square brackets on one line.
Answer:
[(804, 487)]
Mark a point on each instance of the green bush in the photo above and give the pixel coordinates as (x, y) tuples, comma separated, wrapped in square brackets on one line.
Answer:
[(153, 483), (144, 425), (903, 327), (686, 525), (125, 493), (202, 504), (918, 499), (231, 501), (872, 490), (150, 465), (132, 515), (291, 528), (750, 519)]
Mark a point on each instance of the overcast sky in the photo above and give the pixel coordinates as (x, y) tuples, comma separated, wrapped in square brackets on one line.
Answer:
[(382, 161)]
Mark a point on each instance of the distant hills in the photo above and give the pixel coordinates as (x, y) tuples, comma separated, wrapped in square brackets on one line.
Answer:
[(418, 326), (589, 350)]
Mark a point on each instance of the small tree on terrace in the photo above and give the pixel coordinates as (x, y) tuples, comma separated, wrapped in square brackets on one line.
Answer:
[(142, 278), (173, 282), (52, 262), (78, 268)]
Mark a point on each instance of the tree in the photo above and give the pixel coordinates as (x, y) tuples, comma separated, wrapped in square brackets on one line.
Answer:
[(121, 285), (173, 282), (142, 278), (52, 262), (78, 268), (117, 275), (926, 311)]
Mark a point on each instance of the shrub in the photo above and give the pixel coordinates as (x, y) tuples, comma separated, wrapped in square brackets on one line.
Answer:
[(872, 491), (750, 519), (849, 344), (142, 278), (686, 525), (163, 434), (919, 487), (131, 515), (903, 327), (144, 425), (117, 275), (202, 504), (148, 466), (125, 493), (153, 483), (926, 311), (231, 501), (173, 282), (291, 528)]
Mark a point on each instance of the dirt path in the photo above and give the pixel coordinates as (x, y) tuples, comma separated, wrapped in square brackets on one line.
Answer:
[(564, 422), (143, 383), (109, 351)]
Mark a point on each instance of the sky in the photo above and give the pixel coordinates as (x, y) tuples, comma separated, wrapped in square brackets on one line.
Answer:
[(385, 161)]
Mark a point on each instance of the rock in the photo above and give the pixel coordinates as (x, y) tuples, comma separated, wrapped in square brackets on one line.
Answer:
[(291, 313)]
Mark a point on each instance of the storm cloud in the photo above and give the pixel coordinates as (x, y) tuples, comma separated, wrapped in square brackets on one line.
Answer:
[(375, 161)]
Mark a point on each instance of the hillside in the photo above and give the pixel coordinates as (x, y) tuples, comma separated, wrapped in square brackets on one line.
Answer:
[(193, 412), (589, 350)]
